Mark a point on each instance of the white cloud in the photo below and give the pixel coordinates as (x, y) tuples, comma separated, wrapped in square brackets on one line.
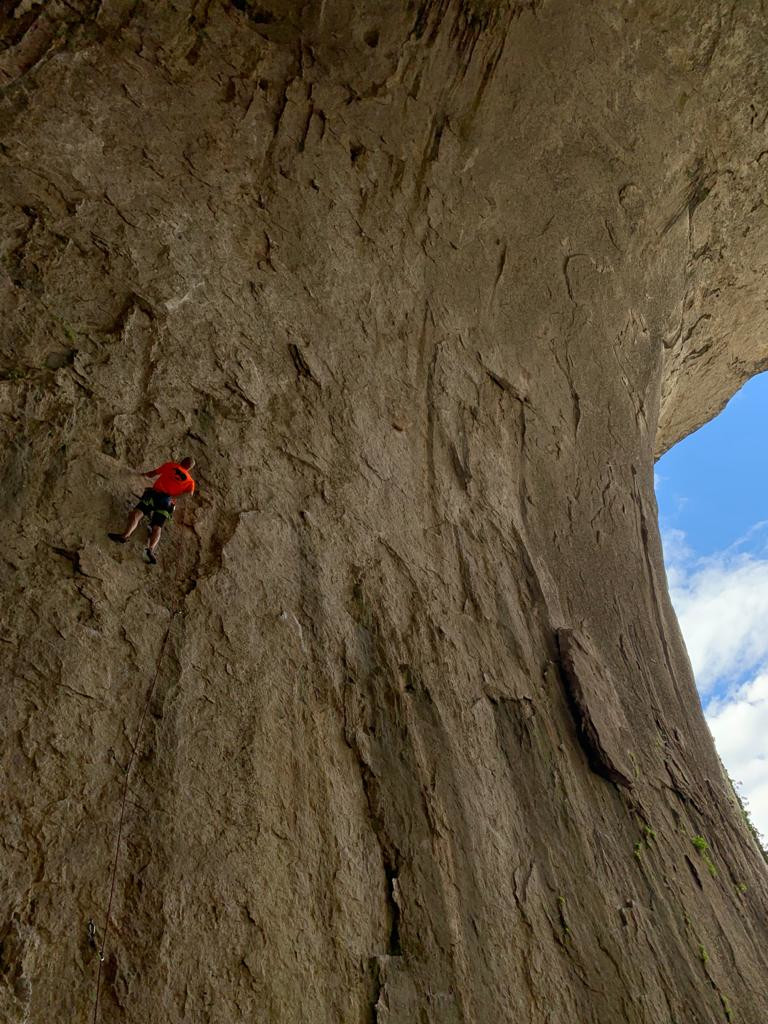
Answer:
[(722, 605), (739, 724), (677, 557)]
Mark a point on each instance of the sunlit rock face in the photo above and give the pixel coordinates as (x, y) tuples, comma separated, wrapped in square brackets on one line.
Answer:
[(423, 287)]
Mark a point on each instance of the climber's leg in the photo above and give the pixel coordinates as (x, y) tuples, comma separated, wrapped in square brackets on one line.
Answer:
[(154, 537), (133, 521), (145, 507), (159, 518), (154, 540)]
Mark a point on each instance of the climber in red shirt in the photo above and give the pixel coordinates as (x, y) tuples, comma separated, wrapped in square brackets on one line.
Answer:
[(158, 502)]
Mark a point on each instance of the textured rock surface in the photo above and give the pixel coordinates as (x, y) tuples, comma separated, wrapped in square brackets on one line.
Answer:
[(423, 287)]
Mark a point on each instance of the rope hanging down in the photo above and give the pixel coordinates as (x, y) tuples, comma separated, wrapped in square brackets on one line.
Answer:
[(150, 693)]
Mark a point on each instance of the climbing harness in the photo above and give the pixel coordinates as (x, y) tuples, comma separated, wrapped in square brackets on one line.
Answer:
[(134, 750)]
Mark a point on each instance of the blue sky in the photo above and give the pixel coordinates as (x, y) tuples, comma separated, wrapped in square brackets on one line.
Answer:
[(714, 485), (712, 492)]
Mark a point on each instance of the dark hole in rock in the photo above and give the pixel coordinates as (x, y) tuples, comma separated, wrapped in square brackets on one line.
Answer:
[(261, 16), (355, 152), (372, 37), (55, 360), (257, 14)]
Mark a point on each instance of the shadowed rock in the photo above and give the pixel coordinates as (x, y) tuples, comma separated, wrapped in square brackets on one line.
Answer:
[(423, 287)]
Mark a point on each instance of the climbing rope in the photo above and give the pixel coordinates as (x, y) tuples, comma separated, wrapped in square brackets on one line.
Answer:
[(174, 611)]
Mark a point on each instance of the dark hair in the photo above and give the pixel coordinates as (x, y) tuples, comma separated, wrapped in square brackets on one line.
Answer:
[(187, 462)]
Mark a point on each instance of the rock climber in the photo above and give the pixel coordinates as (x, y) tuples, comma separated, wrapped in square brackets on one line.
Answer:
[(158, 502)]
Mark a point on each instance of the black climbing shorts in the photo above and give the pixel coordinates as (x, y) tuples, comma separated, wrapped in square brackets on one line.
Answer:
[(157, 507)]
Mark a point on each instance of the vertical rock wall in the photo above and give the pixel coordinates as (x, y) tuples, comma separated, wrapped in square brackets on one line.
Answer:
[(414, 283)]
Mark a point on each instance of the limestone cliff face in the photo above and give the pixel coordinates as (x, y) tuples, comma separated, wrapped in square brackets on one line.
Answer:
[(423, 286)]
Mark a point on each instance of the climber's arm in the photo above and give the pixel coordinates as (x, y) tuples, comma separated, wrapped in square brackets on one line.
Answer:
[(153, 472)]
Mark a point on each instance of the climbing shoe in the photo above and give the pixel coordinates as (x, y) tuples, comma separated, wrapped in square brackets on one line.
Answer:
[(118, 538), (150, 557)]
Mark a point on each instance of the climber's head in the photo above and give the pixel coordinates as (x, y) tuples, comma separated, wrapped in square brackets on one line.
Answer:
[(187, 462)]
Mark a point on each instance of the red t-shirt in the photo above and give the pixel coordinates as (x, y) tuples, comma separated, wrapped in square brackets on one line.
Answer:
[(172, 479)]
